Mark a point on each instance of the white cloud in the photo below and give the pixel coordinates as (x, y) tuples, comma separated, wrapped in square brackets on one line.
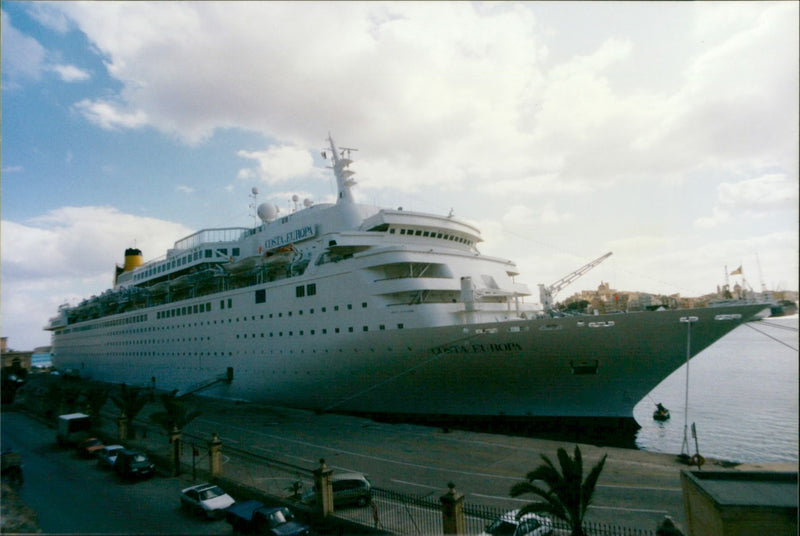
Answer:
[(277, 164), (110, 116), (753, 198), (456, 93), (184, 189), (23, 56), (68, 253), (70, 73)]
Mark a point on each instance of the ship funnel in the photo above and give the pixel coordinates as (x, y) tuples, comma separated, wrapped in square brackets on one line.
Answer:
[(133, 259)]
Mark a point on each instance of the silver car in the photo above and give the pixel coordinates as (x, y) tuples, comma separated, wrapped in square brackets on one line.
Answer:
[(107, 455), (527, 525), (206, 499)]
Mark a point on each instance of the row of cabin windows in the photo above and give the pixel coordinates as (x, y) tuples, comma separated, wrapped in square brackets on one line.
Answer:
[(432, 234), (184, 310), (300, 333), (105, 324), (177, 263)]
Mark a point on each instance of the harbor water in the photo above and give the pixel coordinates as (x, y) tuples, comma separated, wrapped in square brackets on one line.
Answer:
[(743, 399)]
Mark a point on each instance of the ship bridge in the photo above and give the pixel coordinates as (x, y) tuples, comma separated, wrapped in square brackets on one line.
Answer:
[(425, 225)]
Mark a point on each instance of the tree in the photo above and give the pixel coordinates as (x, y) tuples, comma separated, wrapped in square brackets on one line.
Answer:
[(130, 401), (96, 398), (567, 496), (173, 419), (175, 414)]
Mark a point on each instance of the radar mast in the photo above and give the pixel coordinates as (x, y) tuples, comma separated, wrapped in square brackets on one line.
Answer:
[(341, 161)]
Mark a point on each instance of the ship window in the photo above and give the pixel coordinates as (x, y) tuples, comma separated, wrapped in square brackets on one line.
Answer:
[(312, 331), (324, 309), (349, 306), (426, 233), (402, 231), (222, 304), (230, 303), (418, 233), (363, 305), (366, 328), (381, 327), (335, 307), (207, 254), (336, 330), (324, 331), (235, 252), (350, 329), (311, 289), (300, 291), (391, 231), (399, 326), (261, 296)]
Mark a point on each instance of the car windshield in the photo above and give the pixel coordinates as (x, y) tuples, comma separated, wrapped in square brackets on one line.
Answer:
[(501, 528), (210, 493), (277, 518)]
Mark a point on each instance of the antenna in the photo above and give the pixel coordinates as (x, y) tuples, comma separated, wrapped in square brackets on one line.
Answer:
[(254, 205)]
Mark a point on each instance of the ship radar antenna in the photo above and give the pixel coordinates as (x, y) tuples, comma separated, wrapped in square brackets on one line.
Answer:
[(254, 204)]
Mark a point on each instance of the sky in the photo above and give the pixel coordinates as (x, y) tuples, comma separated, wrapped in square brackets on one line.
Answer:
[(665, 132)]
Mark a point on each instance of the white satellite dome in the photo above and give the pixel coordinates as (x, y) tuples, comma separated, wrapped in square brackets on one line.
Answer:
[(267, 212), (307, 202)]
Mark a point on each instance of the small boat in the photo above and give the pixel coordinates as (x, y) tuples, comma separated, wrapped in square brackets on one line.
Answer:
[(661, 413)]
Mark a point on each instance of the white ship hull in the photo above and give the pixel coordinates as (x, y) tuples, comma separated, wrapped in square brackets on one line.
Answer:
[(598, 366)]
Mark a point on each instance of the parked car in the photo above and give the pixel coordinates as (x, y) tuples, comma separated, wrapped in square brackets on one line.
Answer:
[(252, 517), (348, 488), (89, 447), (527, 525), (107, 455), (132, 464), (206, 499)]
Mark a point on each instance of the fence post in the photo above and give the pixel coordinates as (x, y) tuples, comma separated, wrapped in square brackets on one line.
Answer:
[(215, 456), (175, 454), (323, 485), (122, 427), (453, 521)]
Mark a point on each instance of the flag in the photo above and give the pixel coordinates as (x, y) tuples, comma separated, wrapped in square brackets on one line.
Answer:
[(737, 271)]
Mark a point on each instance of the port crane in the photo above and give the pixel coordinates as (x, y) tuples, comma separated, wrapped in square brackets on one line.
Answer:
[(546, 293)]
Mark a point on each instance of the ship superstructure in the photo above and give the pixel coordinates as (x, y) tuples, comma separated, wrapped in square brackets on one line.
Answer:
[(351, 307)]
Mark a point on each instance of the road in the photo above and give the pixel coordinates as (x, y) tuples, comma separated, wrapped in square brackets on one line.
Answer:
[(636, 489), (71, 495)]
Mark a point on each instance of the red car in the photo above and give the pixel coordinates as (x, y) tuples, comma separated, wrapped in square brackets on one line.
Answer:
[(89, 447)]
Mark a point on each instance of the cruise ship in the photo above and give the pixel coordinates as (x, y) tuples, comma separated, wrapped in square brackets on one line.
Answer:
[(348, 307)]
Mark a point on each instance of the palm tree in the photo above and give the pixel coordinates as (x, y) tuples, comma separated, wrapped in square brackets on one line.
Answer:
[(175, 414), (130, 402), (567, 496), (96, 398), (173, 419)]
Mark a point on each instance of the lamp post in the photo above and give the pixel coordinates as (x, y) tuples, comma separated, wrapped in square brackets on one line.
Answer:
[(688, 320)]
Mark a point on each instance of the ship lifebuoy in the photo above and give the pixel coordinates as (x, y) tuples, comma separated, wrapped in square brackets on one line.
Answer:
[(697, 460)]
